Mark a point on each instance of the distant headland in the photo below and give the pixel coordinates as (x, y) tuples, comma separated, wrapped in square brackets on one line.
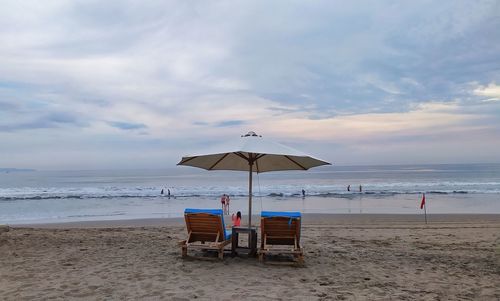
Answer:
[(7, 170)]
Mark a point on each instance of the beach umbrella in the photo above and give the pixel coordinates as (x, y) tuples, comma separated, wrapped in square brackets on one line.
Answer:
[(253, 153)]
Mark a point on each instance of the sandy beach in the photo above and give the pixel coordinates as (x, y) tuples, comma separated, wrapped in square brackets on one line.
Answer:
[(348, 257)]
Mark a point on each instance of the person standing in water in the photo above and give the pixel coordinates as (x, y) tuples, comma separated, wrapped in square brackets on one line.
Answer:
[(360, 188), (223, 202), (349, 187), (227, 204), (161, 191), (303, 193)]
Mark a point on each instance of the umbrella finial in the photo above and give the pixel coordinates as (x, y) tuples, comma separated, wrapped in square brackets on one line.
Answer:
[(251, 134)]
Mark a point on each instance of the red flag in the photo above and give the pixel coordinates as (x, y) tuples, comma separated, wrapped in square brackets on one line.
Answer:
[(423, 202)]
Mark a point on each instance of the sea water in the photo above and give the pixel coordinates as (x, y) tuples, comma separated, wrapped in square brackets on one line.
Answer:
[(62, 196)]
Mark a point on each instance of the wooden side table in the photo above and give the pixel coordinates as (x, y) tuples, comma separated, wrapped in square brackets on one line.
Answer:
[(251, 250)]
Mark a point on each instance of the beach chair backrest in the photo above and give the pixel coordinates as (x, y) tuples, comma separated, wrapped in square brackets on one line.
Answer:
[(281, 228), (205, 225)]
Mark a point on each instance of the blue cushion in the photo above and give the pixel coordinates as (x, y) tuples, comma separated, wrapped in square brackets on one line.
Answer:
[(280, 214), (218, 212), (209, 211)]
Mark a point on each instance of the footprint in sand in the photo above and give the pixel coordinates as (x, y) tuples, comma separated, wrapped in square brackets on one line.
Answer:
[(180, 299), (200, 292)]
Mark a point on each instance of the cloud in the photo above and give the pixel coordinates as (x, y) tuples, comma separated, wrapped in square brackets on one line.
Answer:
[(492, 91), (230, 123), (47, 121), (421, 119), (5, 106), (127, 125), (196, 72)]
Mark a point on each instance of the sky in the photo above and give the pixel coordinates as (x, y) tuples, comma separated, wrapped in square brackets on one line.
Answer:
[(139, 84)]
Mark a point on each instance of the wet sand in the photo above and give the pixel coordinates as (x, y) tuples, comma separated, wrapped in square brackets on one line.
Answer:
[(348, 257)]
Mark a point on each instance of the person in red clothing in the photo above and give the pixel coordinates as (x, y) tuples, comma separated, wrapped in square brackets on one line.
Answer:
[(223, 202), (236, 219)]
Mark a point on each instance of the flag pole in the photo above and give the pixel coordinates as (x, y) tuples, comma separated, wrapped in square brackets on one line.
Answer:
[(423, 205)]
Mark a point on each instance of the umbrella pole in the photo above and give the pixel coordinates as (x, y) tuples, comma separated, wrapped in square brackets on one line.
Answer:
[(250, 194)]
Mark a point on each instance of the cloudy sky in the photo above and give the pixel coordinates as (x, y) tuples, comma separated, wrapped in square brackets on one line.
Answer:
[(137, 84)]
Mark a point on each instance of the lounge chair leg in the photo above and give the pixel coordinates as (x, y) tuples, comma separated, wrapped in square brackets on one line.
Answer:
[(300, 259), (261, 257), (221, 254), (184, 251)]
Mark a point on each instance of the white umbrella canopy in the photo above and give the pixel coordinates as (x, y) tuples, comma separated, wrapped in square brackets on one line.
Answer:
[(253, 153), (266, 156)]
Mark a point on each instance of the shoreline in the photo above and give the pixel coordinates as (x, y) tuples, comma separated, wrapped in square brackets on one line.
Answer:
[(307, 218), (79, 210)]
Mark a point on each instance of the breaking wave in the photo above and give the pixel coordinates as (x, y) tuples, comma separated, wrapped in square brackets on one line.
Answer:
[(34, 196)]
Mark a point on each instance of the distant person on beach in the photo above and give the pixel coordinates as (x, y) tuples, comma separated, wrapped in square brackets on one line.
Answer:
[(349, 187), (236, 219), (168, 192), (303, 193), (161, 192), (223, 202), (227, 204), (360, 188)]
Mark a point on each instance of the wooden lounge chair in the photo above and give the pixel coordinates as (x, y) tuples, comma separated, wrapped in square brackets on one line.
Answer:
[(206, 231), (280, 234)]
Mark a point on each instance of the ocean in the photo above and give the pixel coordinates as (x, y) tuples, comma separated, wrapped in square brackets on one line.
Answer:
[(65, 196)]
